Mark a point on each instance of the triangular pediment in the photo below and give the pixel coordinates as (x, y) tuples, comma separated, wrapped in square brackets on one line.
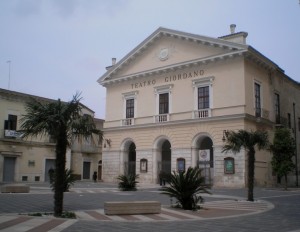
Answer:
[(167, 49)]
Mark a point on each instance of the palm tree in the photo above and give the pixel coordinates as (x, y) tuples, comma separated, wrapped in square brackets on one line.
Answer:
[(62, 122), (248, 141)]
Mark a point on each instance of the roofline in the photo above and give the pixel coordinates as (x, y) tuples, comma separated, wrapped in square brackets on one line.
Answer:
[(175, 33), (25, 95)]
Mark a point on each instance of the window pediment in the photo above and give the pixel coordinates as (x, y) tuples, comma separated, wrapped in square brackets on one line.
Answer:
[(203, 81)]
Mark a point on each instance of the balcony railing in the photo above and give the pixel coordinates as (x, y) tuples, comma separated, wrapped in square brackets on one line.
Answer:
[(128, 122), (162, 118), (204, 113)]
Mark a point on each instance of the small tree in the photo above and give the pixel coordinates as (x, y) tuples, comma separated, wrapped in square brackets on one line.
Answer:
[(127, 182), (283, 149), (185, 186)]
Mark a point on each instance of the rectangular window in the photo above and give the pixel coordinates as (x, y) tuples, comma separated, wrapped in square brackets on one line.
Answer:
[(298, 124), (277, 108), (203, 97), (164, 103), (130, 108), (257, 100), (11, 123)]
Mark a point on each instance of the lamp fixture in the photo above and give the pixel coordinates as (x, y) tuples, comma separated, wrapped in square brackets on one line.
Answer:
[(108, 142), (225, 135)]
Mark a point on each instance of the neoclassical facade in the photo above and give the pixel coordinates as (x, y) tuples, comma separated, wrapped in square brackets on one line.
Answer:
[(29, 160), (171, 100)]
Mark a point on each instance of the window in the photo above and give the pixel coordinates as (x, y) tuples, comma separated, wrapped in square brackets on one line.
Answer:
[(277, 108), (164, 103), (163, 98), (203, 97), (257, 100), (11, 123), (130, 108), (289, 121), (298, 124)]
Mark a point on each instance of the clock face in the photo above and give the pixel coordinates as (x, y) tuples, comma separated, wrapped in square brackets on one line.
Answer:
[(164, 54)]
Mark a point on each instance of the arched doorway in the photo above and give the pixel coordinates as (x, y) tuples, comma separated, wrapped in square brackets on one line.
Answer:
[(205, 157), (100, 170), (164, 166), (131, 163), (166, 157)]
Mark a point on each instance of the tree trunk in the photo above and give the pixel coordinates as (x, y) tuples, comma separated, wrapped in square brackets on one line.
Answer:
[(61, 148), (251, 162)]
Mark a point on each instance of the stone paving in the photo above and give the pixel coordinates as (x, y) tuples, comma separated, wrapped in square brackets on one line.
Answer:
[(225, 210)]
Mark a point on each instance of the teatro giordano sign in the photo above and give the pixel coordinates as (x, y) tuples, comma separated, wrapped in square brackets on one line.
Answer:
[(170, 78)]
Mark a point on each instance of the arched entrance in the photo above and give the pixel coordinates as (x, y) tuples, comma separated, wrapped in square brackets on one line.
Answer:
[(131, 163), (205, 157), (100, 170), (163, 156), (166, 157)]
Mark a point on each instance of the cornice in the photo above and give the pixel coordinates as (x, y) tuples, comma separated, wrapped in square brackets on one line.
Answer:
[(246, 116), (178, 122), (175, 67)]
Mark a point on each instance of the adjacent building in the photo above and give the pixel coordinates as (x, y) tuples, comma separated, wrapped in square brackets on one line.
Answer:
[(171, 100), (30, 159)]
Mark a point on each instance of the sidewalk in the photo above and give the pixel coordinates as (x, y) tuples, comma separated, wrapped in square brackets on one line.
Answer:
[(227, 207)]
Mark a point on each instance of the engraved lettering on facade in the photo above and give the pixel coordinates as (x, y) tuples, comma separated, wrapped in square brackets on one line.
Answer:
[(171, 78)]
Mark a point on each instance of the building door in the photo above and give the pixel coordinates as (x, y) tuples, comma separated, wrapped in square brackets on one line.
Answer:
[(50, 164), (86, 170), (9, 169), (206, 159), (131, 159), (166, 157), (100, 170)]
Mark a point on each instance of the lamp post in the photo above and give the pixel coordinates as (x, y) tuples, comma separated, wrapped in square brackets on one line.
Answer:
[(9, 62)]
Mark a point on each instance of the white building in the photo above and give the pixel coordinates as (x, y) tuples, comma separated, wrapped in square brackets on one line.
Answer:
[(171, 100)]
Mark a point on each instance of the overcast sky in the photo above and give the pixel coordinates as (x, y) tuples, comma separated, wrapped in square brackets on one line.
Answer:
[(60, 47)]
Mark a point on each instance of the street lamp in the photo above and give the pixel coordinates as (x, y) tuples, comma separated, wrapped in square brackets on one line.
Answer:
[(9, 62), (225, 135)]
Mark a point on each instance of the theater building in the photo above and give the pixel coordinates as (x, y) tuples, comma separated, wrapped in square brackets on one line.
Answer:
[(171, 100)]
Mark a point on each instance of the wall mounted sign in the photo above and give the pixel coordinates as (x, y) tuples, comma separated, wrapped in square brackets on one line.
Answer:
[(229, 165), (181, 165), (144, 165)]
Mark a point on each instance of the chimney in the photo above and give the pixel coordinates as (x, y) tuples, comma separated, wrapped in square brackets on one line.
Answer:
[(113, 62), (235, 37), (232, 28)]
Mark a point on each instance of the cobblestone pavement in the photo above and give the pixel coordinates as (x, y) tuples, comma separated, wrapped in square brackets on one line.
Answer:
[(225, 210)]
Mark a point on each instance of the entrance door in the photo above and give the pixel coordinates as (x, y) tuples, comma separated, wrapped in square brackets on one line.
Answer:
[(86, 170), (166, 157), (131, 159), (9, 169), (100, 170), (50, 163), (206, 159)]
